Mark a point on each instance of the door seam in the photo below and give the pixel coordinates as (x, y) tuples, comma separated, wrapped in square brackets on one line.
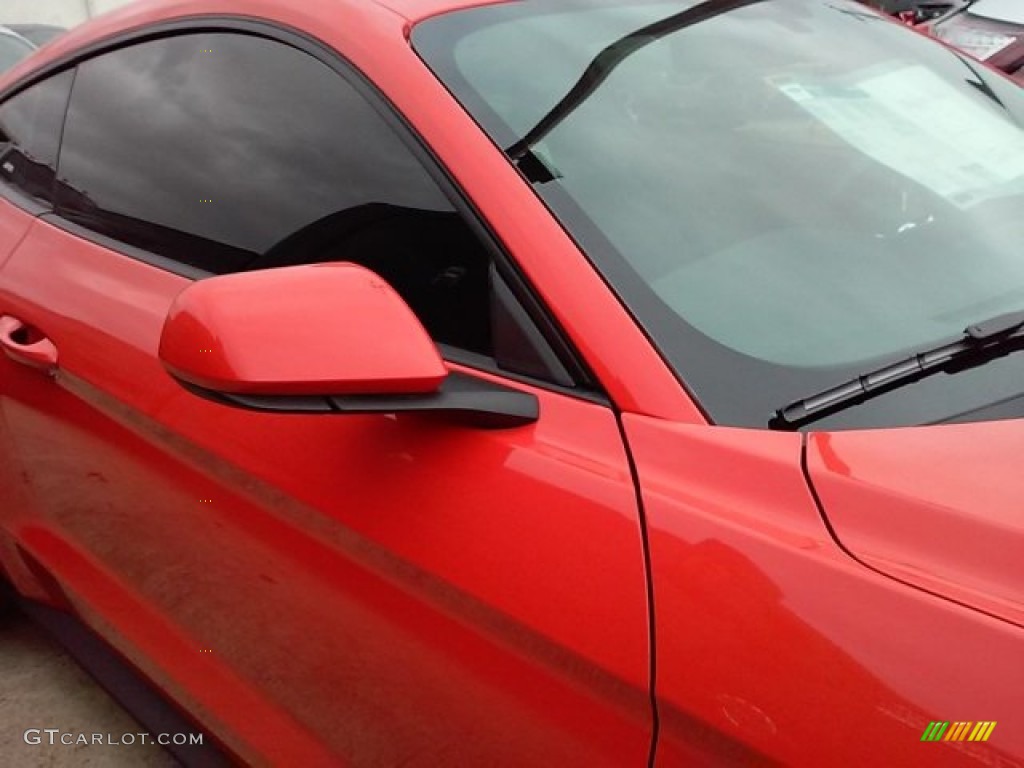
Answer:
[(648, 576)]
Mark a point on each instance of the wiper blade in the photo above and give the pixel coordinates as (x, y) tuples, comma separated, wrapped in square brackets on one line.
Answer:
[(997, 335)]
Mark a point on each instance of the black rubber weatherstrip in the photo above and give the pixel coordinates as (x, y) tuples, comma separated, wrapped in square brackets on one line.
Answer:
[(649, 575)]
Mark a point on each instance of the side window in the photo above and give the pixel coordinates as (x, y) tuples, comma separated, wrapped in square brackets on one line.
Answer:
[(230, 152), (30, 126)]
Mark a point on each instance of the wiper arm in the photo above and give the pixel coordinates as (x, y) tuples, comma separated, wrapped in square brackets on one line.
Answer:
[(997, 335), (612, 56)]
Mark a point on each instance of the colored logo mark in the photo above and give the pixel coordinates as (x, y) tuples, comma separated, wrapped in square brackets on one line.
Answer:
[(959, 731)]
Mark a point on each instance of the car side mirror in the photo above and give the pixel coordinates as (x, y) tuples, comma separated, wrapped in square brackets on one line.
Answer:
[(322, 338)]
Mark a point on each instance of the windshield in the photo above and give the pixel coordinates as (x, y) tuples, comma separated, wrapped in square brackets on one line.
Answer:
[(784, 192)]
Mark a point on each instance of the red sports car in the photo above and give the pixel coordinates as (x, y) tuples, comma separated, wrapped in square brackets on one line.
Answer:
[(556, 382)]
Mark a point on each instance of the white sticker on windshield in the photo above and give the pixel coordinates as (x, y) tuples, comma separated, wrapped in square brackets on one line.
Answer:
[(921, 126)]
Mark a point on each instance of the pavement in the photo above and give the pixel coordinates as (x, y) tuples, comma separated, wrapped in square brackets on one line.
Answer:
[(40, 688)]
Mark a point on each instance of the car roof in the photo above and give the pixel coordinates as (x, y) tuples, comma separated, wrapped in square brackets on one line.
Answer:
[(351, 25), (153, 11), (417, 10), (411, 10)]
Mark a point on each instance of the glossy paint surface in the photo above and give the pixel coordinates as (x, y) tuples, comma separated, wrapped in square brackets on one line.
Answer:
[(938, 507), (396, 589), (372, 587), (776, 647), (316, 329)]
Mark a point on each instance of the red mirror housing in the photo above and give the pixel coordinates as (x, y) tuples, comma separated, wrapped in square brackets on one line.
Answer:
[(322, 329)]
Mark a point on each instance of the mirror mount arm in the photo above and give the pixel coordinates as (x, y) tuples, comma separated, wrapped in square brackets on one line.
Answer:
[(464, 398)]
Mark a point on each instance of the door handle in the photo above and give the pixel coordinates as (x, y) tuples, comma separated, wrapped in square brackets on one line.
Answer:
[(26, 345)]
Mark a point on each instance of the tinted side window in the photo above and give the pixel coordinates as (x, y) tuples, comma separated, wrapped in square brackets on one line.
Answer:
[(30, 126), (229, 152)]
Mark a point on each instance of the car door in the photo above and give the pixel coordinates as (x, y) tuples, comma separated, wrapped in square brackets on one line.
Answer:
[(385, 589), (30, 124)]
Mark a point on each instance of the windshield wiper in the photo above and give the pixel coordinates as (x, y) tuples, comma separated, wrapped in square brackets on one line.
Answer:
[(979, 343), (612, 56)]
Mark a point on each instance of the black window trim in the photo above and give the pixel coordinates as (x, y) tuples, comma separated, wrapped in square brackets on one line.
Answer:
[(165, 263), (19, 199), (587, 386)]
